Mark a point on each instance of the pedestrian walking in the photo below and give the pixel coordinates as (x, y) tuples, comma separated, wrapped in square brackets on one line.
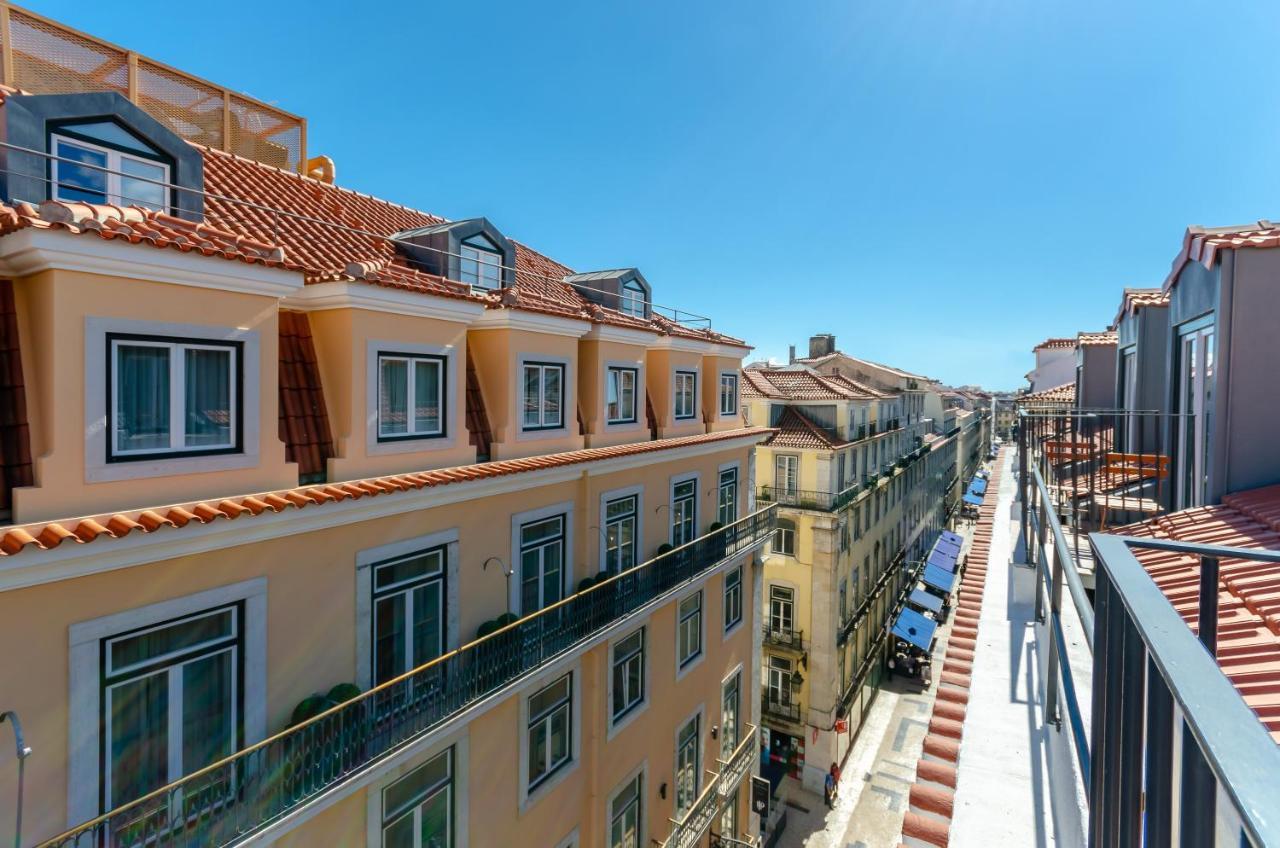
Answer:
[(829, 790)]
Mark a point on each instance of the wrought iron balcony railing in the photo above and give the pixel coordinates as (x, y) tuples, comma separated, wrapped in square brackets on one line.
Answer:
[(688, 831), (786, 710), (784, 637), (237, 797), (808, 499)]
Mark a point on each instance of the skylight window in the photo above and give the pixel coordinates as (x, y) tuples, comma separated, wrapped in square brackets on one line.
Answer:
[(481, 265)]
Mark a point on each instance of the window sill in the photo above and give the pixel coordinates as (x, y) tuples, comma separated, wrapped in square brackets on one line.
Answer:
[(162, 466), (531, 796), (690, 664), (623, 721), (732, 630)]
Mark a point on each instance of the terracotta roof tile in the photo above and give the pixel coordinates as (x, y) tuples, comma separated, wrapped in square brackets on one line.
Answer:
[(1105, 338), (304, 419), (1202, 244), (15, 439), (1249, 593), (795, 430), (802, 384), (1066, 393), (1054, 344), (21, 539)]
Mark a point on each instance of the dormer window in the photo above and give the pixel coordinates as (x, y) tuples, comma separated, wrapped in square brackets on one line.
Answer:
[(481, 265), (101, 162), (632, 301)]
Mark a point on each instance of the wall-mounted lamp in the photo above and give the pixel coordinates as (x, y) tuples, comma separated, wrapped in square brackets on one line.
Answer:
[(715, 731), (505, 569), (23, 752), (662, 791)]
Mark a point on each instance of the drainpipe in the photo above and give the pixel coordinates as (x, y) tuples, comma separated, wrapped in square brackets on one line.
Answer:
[(23, 752)]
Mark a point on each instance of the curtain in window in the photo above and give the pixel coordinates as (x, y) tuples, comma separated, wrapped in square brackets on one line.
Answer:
[(551, 400), (142, 413), (139, 737), (208, 710), (393, 396), (208, 401)]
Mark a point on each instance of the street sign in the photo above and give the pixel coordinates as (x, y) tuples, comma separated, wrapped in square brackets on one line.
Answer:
[(760, 796)]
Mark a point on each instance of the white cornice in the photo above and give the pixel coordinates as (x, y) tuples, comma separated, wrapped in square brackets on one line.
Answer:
[(733, 351), (521, 319), (348, 295), (71, 559), (623, 335), (683, 343), (31, 251)]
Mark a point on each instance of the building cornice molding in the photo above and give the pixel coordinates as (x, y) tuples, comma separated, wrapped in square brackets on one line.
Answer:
[(31, 251), (70, 560), (622, 335), (347, 295), (536, 322)]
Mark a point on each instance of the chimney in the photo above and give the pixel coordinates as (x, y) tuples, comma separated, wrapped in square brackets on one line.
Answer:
[(821, 345), (791, 355)]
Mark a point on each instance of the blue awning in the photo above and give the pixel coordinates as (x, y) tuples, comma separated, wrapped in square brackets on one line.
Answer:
[(923, 599), (940, 559), (972, 499), (937, 578), (948, 536), (978, 486), (913, 627), (984, 474), (952, 548)]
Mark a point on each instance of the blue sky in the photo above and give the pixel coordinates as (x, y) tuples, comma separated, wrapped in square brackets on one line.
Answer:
[(940, 183)]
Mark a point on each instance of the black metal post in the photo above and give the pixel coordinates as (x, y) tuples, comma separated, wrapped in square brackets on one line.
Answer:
[(1159, 760), (1209, 603)]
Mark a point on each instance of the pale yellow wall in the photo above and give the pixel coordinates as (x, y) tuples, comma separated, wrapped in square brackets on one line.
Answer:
[(662, 364), (311, 642), (57, 305), (342, 339), (594, 359), (493, 813), (496, 353), (713, 367)]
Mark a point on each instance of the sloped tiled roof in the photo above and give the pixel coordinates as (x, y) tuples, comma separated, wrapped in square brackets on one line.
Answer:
[(1202, 244), (1054, 344), (1066, 393), (1104, 338), (304, 418), (18, 539), (800, 384), (897, 372), (795, 430), (1249, 592), (16, 467), (1135, 299)]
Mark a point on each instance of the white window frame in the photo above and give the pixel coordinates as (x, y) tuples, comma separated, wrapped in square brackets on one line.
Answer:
[(518, 520), (732, 409), (412, 362), (790, 475), (687, 663), (679, 391), (739, 718), (544, 422), (114, 168), (98, 427), (633, 295), (84, 725), (481, 256), (618, 372), (618, 721), (736, 468), (640, 772), (530, 796)]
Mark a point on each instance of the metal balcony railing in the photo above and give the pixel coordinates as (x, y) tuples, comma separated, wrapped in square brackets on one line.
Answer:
[(687, 831), (1224, 779), (237, 797), (786, 710), (809, 499), (784, 637)]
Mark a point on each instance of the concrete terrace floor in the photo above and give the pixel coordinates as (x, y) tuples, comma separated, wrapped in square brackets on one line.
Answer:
[(878, 773)]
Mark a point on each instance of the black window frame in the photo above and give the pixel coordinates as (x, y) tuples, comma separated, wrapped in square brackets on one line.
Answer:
[(66, 128), (617, 713), (525, 427), (733, 394), (376, 594), (610, 370), (693, 395), (732, 598), (237, 386), (443, 361)]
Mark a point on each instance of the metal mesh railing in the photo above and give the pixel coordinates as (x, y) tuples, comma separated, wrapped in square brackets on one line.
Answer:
[(238, 796), (45, 57), (688, 830)]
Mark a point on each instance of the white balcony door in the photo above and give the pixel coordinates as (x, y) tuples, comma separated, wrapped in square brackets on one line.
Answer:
[(1196, 376)]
